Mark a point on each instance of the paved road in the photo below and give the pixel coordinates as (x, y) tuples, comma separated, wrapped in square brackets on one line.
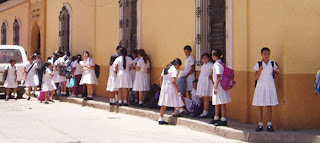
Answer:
[(32, 122)]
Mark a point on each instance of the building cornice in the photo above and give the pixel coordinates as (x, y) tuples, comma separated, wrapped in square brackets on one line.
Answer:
[(10, 4)]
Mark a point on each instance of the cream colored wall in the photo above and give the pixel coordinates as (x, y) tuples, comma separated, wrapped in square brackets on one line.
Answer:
[(167, 26), (20, 12), (82, 26)]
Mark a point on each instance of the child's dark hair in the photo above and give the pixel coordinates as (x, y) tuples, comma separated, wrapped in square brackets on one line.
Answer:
[(118, 47), (33, 57), (195, 81), (265, 49), (217, 53), (67, 53), (135, 51), (124, 54), (188, 48), (143, 54), (79, 58), (74, 58), (46, 65), (207, 55), (176, 61), (87, 53)]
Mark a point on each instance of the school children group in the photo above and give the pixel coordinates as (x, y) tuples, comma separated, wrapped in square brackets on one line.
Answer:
[(54, 76), (133, 73)]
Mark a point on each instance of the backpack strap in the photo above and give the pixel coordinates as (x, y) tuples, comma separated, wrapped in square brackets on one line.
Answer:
[(260, 63), (272, 63)]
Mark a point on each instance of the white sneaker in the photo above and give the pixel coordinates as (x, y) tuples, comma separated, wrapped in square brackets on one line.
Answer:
[(72, 95), (79, 95), (203, 114)]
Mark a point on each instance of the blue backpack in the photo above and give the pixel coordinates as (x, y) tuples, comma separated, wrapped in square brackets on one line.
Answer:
[(317, 83)]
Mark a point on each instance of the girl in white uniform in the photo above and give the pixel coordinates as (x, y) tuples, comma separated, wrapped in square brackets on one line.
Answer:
[(265, 94), (220, 97), (141, 82), (48, 85), (89, 77), (170, 94), (205, 85), (11, 80), (122, 65), (111, 85), (30, 72), (59, 79), (189, 68)]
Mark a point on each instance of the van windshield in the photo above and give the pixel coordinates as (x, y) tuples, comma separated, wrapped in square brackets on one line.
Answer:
[(7, 54)]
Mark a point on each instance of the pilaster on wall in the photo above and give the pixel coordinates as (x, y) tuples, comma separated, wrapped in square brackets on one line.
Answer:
[(37, 21)]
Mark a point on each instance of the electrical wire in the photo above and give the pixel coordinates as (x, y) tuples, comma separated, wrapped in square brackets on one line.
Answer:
[(97, 5)]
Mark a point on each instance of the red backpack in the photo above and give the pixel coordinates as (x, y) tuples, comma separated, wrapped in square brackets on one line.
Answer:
[(227, 81)]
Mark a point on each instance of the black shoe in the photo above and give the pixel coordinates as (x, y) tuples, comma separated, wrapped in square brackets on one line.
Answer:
[(51, 101), (34, 95), (7, 99), (89, 98), (221, 123), (259, 128), (15, 98), (270, 129), (125, 104), (112, 104), (214, 122), (163, 123), (46, 102), (29, 98)]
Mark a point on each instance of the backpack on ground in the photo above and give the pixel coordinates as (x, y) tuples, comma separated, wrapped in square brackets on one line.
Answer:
[(317, 83), (227, 81), (150, 100), (260, 64)]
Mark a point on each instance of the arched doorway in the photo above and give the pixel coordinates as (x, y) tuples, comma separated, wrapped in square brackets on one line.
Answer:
[(4, 33), (36, 40), (65, 28)]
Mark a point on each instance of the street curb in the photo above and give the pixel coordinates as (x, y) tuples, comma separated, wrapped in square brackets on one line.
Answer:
[(227, 132)]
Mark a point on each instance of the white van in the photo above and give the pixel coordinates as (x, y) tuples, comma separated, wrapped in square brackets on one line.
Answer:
[(8, 52)]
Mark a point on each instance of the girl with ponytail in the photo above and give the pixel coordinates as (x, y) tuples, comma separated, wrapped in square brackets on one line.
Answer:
[(141, 84), (170, 93), (122, 66)]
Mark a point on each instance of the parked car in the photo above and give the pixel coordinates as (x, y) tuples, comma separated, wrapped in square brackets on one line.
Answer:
[(8, 52)]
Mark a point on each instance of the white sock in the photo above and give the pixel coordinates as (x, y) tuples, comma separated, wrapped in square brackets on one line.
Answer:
[(269, 124), (260, 123), (160, 119), (216, 118), (223, 119), (90, 96), (112, 100), (140, 102), (50, 98), (120, 101), (125, 101)]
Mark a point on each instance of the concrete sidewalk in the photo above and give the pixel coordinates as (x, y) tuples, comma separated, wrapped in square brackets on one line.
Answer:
[(235, 130)]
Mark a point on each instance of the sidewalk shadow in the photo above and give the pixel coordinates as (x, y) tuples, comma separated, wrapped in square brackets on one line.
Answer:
[(172, 120)]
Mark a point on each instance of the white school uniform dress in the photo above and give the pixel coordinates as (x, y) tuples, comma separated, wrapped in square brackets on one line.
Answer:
[(190, 61), (265, 93), (133, 71), (148, 76), (222, 96), (57, 78), (124, 79), (48, 83), (141, 83), (11, 81), (78, 67), (111, 86), (205, 85), (32, 79), (88, 74), (169, 94)]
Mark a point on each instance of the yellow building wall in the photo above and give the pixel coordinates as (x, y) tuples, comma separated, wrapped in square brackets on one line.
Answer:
[(82, 26), (167, 26), (9, 15)]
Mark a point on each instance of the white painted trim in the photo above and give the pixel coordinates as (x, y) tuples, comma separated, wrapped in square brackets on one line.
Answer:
[(11, 3), (139, 20), (229, 33)]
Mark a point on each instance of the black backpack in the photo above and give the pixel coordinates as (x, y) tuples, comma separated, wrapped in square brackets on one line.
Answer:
[(260, 64), (97, 70)]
